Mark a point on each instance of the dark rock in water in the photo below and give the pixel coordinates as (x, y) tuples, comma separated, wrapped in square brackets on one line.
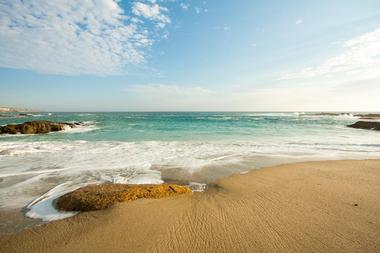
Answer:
[(370, 125), (35, 127), (97, 197)]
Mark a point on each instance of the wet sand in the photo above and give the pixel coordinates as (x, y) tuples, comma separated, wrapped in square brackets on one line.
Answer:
[(331, 206)]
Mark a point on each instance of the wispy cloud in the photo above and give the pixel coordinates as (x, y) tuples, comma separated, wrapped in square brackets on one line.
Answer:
[(359, 60), (199, 10), (299, 21), (224, 28), (169, 90), (184, 6), (152, 11), (77, 37), (166, 97), (276, 98)]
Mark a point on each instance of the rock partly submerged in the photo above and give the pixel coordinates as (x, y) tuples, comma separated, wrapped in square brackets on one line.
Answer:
[(369, 125), (36, 127), (97, 197)]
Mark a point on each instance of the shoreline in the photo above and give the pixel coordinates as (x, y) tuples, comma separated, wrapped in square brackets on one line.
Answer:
[(14, 220), (307, 206)]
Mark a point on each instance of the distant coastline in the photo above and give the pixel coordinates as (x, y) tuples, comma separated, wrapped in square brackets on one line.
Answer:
[(4, 109)]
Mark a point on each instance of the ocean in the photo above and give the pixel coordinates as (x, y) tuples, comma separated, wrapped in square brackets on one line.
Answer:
[(153, 147)]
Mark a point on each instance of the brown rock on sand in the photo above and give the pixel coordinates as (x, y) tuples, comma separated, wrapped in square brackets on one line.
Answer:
[(96, 197)]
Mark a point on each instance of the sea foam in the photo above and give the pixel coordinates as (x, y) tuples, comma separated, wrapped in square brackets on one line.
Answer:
[(138, 148), (25, 166)]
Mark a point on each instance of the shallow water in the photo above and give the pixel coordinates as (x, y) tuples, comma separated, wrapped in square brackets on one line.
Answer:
[(151, 147)]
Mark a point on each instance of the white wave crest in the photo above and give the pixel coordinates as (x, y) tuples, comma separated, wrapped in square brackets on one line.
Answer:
[(85, 126)]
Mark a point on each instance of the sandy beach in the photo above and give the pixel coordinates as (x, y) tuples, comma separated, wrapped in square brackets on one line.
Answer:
[(328, 206), (189, 126)]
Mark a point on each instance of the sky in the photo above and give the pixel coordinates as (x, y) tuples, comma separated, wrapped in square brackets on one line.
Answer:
[(182, 55)]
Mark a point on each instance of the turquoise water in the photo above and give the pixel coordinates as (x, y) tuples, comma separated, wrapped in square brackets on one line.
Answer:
[(191, 126), (152, 147)]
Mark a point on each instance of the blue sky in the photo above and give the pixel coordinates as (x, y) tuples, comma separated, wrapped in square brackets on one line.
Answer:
[(178, 55)]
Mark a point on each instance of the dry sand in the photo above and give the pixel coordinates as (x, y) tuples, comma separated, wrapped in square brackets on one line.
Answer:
[(331, 206)]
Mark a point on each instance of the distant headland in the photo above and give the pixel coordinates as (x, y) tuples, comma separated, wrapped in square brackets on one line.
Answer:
[(13, 109)]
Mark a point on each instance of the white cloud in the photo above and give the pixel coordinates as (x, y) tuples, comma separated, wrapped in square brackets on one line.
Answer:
[(199, 10), (336, 42), (152, 11), (75, 37), (224, 28), (299, 21), (359, 60), (184, 6)]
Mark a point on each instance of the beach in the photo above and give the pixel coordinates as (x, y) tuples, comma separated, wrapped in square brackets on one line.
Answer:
[(189, 126), (327, 206)]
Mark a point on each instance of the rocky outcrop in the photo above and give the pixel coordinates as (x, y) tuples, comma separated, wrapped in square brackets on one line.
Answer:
[(368, 116), (370, 125), (96, 197), (36, 127), (25, 115)]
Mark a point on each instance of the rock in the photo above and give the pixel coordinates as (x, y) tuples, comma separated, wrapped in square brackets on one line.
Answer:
[(370, 125), (35, 127), (97, 197), (368, 116)]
